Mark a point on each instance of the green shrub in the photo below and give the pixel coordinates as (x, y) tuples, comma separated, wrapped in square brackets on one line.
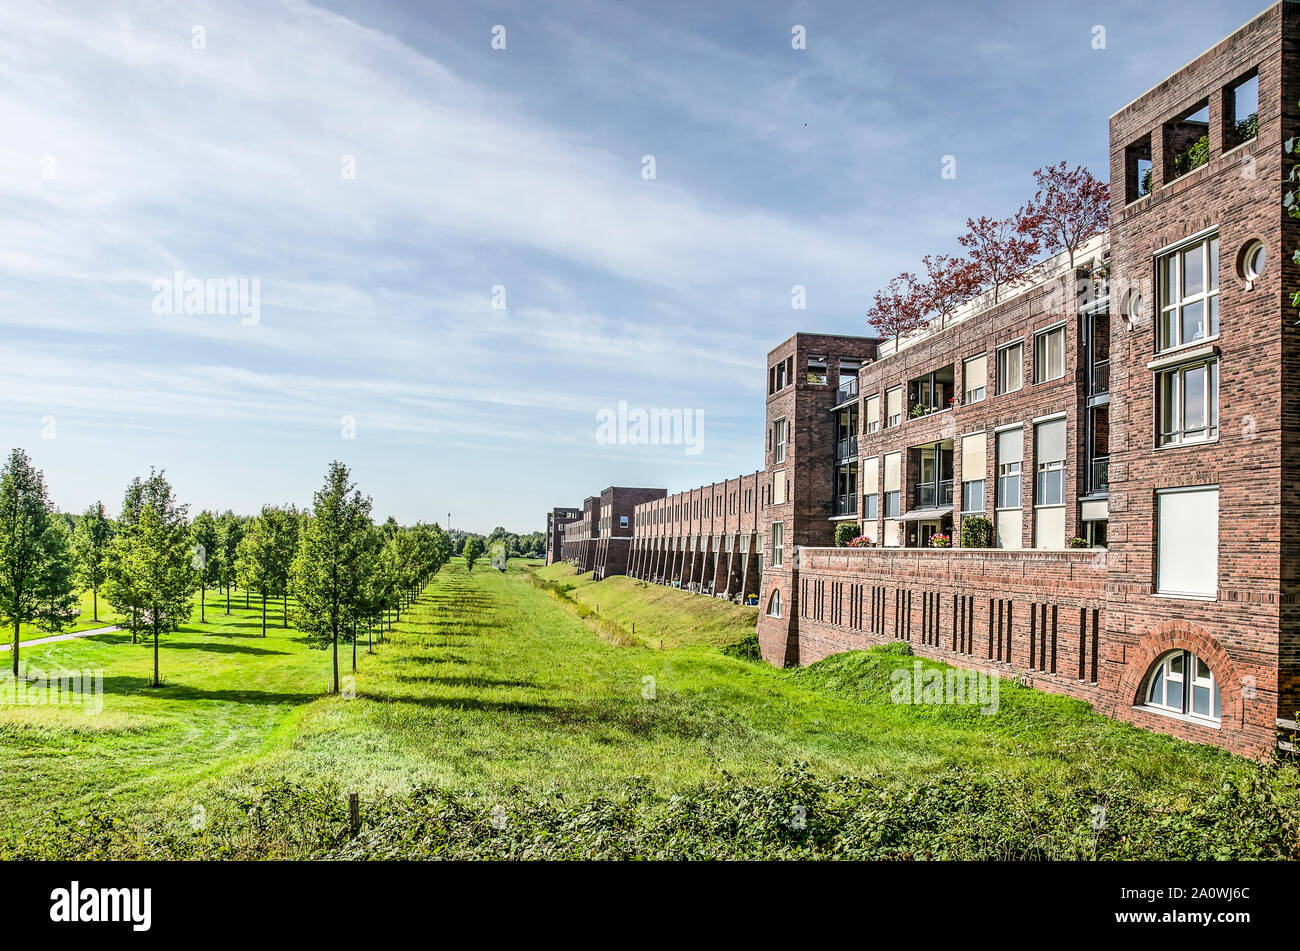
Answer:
[(845, 532), (976, 532)]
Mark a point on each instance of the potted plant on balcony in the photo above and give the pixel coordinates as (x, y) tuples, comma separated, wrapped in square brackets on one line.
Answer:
[(1078, 541), (751, 600), (862, 541), (916, 411), (940, 540)]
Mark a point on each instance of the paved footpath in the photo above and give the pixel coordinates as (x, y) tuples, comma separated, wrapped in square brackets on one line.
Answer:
[(60, 637)]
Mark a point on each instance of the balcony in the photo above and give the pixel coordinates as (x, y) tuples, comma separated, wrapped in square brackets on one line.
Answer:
[(1099, 384), (844, 505), (931, 495), (846, 449), (1099, 476), (847, 390)]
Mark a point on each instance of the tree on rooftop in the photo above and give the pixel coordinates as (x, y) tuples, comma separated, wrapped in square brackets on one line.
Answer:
[(900, 309), (1001, 249), (1069, 208), (950, 282)]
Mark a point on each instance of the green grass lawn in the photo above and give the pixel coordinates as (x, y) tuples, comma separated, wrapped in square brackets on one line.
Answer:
[(490, 686), (655, 615)]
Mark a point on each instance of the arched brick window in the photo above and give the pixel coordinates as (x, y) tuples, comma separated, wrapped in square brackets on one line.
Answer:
[(1181, 684), (774, 604)]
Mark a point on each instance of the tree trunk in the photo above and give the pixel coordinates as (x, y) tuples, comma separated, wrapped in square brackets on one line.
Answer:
[(286, 607), (156, 682), (135, 622), (246, 604), (203, 603), (336, 658), (354, 648), (16, 627), (264, 612), (227, 599), (94, 599), (370, 640)]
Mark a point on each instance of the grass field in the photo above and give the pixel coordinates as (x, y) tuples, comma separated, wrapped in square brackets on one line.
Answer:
[(657, 616), (490, 686)]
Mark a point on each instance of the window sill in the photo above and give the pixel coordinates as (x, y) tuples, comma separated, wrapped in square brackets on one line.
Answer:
[(1170, 596), (1206, 722), (1187, 445)]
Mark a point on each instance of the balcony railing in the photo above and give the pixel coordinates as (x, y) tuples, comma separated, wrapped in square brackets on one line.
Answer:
[(846, 448), (1099, 475), (845, 505), (929, 495), (847, 390), (1100, 384)]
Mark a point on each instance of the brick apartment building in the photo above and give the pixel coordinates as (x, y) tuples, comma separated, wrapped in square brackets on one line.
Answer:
[(599, 539), (706, 540), (1121, 425), (1135, 403), (556, 519)]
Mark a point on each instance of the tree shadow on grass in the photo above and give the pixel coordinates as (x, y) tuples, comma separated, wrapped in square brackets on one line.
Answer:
[(166, 645), (457, 680), (143, 686)]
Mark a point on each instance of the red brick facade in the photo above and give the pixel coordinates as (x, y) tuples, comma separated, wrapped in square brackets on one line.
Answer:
[(705, 540), (600, 540)]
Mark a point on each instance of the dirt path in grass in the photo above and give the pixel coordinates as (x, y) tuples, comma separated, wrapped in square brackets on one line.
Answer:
[(8, 645)]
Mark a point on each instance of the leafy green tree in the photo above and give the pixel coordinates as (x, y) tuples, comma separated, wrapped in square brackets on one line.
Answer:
[(58, 576), (153, 578), (205, 552), (284, 524), (229, 532), (256, 557), (30, 586), (473, 549), (330, 556), (90, 542)]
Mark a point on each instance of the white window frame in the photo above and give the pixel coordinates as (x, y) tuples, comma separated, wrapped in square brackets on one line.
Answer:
[(778, 544), (1169, 312), (780, 435), (774, 600), (871, 425), (1190, 680), (1001, 376), (976, 395), (1040, 358), (870, 506), (896, 420), (966, 493), (1178, 374), (892, 501), (1170, 592)]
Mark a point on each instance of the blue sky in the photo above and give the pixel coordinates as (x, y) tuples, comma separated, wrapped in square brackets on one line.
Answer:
[(382, 172)]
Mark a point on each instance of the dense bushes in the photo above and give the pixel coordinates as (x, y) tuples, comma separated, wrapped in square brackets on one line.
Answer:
[(952, 814)]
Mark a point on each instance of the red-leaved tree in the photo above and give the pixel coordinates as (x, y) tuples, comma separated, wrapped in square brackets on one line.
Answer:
[(1001, 249), (900, 309), (1069, 208), (950, 282)]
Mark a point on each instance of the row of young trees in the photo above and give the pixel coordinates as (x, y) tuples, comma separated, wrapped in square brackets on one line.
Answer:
[(345, 574), (1068, 208)]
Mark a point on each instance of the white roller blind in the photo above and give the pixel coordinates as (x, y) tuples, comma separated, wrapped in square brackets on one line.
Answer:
[(1049, 441), (1011, 446), (1187, 559), (974, 448), (873, 409), (870, 470), (977, 372), (894, 402), (893, 471)]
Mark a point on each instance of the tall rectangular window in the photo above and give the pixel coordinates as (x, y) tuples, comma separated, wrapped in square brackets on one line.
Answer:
[(1010, 359), (778, 487), (817, 370), (778, 441), (1011, 450), (975, 372), (778, 544), (1049, 355), (870, 470), (973, 451), (1188, 280), (872, 410), (1049, 448), (893, 483), (894, 406), (1187, 542), (1187, 403)]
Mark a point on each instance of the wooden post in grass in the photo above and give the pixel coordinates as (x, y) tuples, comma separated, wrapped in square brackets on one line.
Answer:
[(354, 812)]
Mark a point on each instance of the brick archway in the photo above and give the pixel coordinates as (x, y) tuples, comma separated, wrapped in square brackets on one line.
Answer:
[(1182, 635)]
